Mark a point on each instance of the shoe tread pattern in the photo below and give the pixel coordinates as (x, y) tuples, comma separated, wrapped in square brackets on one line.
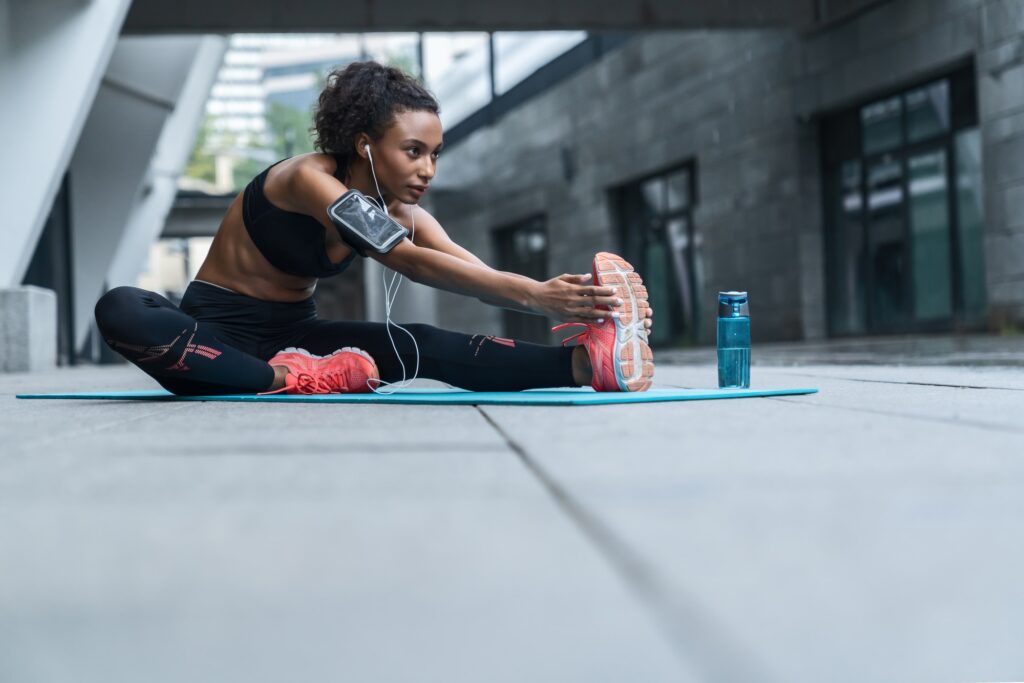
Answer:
[(611, 270)]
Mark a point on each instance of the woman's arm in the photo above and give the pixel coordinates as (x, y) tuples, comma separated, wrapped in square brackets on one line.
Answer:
[(305, 185), (560, 298), (430, 234)]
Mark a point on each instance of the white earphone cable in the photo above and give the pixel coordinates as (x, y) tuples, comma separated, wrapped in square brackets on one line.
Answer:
[(390, 294)]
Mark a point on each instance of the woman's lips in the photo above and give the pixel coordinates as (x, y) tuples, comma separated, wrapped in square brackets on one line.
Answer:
[(417, 190)]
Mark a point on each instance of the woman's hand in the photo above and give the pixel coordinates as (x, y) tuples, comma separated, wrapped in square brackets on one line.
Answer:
[(568, 298)]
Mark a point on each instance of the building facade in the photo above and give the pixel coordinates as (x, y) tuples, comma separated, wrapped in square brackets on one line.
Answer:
[(864, 177)]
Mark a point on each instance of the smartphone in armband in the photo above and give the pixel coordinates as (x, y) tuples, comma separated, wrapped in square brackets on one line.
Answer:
[(363, 225)]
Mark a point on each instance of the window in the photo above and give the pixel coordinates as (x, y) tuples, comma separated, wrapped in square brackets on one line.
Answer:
[(457, 70), (655, 218), (903, 215), (517, 54), (523, 248)]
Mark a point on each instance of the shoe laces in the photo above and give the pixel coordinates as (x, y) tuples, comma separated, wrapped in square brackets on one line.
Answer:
[(582, 336), (312, 384), (336, 381), (305, 383)]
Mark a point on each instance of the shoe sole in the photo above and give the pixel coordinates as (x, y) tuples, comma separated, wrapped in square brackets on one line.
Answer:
[(634, 361)]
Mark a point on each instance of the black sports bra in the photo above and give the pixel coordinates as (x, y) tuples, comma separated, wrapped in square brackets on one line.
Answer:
[(292, 242)]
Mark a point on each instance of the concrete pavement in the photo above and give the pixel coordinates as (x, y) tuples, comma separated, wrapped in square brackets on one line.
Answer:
[(868, 532)]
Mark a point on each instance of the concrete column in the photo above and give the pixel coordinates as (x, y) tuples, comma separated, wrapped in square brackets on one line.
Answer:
[(28, 329), (156, 196), (113, 160), (52, 57), (1000, 77)]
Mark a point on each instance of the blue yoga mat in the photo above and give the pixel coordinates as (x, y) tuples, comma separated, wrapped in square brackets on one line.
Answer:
[(543, 397)]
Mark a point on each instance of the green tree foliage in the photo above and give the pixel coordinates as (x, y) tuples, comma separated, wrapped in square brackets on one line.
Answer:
[(201, 163), (288, 134), (244, 170), (289, 129)]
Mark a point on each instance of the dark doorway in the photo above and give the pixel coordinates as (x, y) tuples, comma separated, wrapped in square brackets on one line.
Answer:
[(51, 268), (523, 248), (658, 237), (903, 214)]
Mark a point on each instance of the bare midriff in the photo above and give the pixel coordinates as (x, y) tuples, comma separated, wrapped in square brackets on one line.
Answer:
[(236, 263)]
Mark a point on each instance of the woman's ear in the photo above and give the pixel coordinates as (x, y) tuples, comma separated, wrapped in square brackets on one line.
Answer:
[(361, 141)]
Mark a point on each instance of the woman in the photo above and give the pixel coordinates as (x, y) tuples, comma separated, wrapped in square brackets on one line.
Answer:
[(248, 323)]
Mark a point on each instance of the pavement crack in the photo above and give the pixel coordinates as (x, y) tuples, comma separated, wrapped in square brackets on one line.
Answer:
[(978, 424), (919, 384), (698, 640)]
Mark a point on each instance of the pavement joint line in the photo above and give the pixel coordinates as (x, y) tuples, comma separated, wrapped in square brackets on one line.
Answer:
[(991, 426), (92, 429), (697, 640), (888, 381), (903, 361), (988, 426), (350, 447)]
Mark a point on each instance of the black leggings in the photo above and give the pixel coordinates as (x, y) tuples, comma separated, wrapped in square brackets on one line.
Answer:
[(219, 342)]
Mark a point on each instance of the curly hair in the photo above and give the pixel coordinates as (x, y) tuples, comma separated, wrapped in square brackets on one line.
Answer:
[(364, 97)]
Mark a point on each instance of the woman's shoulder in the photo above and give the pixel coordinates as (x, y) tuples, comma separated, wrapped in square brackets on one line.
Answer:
[(319, 161), (281, 173)]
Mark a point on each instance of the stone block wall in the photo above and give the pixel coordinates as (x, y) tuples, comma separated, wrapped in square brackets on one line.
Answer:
[(743, 106)]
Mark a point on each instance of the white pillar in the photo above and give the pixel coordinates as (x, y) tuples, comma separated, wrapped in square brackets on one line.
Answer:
[(156, 196), (52, 57), (137, 97)]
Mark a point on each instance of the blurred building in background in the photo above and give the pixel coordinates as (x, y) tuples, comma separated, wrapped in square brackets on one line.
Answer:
[(862, 178), (857, 165)]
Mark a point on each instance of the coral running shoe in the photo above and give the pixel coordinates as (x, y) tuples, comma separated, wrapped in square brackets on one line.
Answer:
[(346, 371), (619, 354)]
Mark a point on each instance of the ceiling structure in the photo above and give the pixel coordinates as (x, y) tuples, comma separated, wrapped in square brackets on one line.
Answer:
[(254, 16)]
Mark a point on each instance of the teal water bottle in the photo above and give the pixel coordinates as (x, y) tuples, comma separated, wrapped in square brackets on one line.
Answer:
[(733, 340)]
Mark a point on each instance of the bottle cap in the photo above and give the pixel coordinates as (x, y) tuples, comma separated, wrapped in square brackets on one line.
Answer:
[(733, 305)]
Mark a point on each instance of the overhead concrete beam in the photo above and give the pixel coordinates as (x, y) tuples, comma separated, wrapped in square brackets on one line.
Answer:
[(229, 16), (196, 216)]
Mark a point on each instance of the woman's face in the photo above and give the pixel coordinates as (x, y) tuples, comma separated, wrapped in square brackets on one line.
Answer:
[(405, 158)]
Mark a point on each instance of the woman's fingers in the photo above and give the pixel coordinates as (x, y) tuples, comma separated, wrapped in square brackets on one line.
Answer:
[(613, 301), (593, 314), (598, 291), (592, 296)]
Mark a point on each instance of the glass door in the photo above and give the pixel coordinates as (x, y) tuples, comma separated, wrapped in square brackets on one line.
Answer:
[(886, 244), (659, 239), (903, 211), (930, 237)]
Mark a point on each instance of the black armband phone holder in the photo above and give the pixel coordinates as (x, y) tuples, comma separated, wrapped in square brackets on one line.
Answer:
[(363, 225)]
